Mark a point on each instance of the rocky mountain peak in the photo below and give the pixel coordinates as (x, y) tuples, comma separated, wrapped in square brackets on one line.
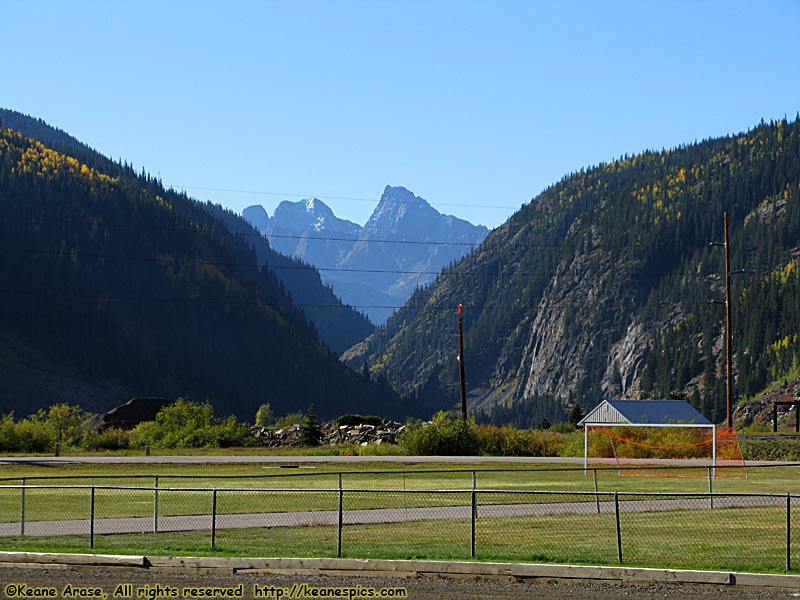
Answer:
[(399, 210), (302, 215), (257, 216), (306, 217), (362, 272)]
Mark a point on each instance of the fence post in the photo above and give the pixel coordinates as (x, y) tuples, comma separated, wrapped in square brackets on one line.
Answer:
[(155, 504), (213, 517), (710, 489), (91, 519), (22, 509), (596, 495), (339, 523), (619, 533), (788, 531), (474, 513)]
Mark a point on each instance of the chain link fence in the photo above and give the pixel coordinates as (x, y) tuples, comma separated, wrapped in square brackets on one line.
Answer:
[(435, 515)]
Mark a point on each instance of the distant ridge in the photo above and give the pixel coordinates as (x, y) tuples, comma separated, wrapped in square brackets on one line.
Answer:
[(366, 266), (38, 129)]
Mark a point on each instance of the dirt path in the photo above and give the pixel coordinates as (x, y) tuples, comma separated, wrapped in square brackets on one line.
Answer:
[(416, 589)]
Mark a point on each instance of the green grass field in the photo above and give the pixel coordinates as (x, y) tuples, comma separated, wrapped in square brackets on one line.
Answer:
[(743, 538), (748, 539), (51, 503), (562, 477)]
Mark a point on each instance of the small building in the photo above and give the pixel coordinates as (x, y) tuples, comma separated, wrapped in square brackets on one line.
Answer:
[(645, 413)]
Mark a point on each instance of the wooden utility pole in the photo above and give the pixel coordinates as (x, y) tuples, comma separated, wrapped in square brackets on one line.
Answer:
[(461, 366), (728, 345)]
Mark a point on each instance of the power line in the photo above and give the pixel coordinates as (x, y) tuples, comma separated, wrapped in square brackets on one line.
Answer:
[(199, 230), (325, 197), (369, 240), (469, 308), (486, 243), (226, 232), (307, 267)]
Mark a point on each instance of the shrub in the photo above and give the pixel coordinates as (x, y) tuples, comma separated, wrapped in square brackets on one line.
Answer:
[(186, 424), (573, 446), (674, 442), (64, 420), (232, 433), (374, 449), (35, 436), (770, 449), (447, 434), (264, 416), (8, 434), (25, 436), (108, 439), (289, 419), (563, 427), (508, 441), (145, 433)]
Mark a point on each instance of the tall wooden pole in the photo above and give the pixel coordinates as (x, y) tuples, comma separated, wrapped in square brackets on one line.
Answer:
[(461, 366), (728, 345)]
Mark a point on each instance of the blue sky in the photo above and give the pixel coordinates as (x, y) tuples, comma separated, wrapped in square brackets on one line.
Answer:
[(476, 106)]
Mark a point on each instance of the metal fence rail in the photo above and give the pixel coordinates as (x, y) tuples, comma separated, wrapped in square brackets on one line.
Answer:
[(698, 530)]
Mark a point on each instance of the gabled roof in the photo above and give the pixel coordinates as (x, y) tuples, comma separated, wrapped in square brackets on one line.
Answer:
[(644, 412)]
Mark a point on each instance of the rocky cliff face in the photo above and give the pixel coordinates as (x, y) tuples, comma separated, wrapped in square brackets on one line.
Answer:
[(554, 341), (579, 318), (601, 288)]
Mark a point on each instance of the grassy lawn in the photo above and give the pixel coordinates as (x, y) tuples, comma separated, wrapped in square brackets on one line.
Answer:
[(750, 539), (312, 489), (745, 539), (380, 475)]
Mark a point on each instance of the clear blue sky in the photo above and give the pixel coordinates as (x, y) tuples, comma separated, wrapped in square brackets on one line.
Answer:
[(476, 106)]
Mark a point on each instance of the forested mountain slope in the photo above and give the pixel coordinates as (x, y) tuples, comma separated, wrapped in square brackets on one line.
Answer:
[(339, 326), (602, 286), (113, 286)]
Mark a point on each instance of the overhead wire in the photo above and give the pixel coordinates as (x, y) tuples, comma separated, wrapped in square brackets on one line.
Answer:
[(326, 197), (276, 305), (309, 267), (254, 234), (199, 229)]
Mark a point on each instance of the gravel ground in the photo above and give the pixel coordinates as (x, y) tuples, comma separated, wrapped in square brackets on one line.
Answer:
[(417, 589)]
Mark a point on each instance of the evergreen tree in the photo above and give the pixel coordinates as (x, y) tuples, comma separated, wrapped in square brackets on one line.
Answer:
[(575, 415), (310, 431)]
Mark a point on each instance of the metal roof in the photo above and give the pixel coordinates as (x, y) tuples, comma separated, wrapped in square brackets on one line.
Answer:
[(644, 412)]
